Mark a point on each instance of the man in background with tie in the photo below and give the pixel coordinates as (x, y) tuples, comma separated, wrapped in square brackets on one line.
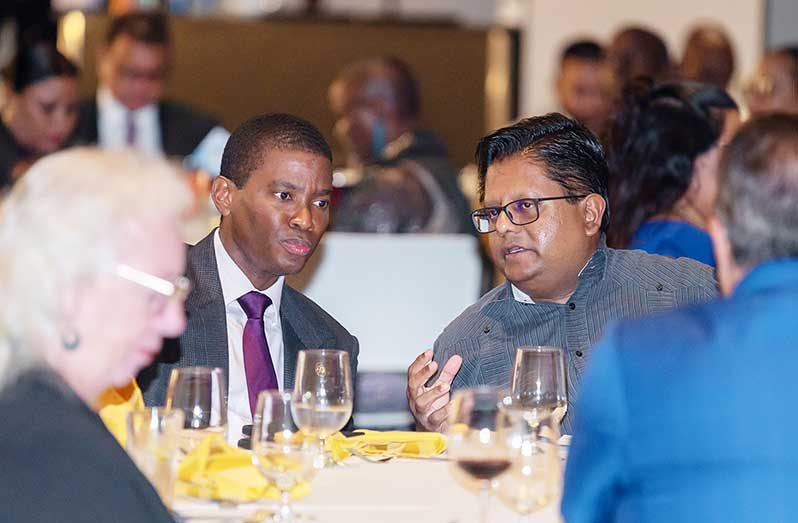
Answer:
[(129, 109), (274, 197)]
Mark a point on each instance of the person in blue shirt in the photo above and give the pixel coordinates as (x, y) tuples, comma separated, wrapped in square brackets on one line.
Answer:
[(663, 149), (689, 415)]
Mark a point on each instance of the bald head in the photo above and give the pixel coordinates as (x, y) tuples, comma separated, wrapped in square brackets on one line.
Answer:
[(708, 57), (636, 52)]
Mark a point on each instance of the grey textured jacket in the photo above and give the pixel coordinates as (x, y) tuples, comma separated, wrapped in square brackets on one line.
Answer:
[(614, 284)]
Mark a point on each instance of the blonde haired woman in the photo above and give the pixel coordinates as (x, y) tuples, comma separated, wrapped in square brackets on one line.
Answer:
[(91, 280)]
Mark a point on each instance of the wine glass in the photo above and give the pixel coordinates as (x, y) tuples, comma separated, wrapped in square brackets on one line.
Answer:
[(280, 451), (153, 435), (538, 383), (322, 399), (200, 392), (473, 442), (533, 480)]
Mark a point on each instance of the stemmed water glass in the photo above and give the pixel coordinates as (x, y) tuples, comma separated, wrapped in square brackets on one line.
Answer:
[(322, 398), (539, 386), (200, 392), (473, 442), (533, 480), (280, 451)]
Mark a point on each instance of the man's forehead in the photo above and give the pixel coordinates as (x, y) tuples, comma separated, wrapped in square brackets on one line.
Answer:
[(514, 173)]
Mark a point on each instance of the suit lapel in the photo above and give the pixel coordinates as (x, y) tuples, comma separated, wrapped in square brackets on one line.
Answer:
[(205, 340), (299, 333)]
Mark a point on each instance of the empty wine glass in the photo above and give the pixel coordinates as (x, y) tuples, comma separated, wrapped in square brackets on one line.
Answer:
[(539, 385), (280, 451), (322, 398), (153, 436), (200, 392), (473, 442), (533, 480)]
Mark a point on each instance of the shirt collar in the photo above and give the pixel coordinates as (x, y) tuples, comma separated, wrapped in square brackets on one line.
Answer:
[(591, 272), (773, 274), (235, 283), (107, 102)]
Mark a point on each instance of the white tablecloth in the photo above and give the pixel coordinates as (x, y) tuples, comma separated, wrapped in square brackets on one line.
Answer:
[(399, 491)]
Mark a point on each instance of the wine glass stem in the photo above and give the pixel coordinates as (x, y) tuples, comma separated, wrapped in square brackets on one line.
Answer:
[(484, 501), (286, 515)]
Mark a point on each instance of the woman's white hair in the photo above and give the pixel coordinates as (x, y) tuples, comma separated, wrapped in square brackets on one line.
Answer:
[(60, 225)]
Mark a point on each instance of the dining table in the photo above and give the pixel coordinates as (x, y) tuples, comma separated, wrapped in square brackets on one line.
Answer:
[(399, 490)]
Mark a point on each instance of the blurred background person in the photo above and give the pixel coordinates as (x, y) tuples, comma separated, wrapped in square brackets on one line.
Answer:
[(659, 435), (91, 247), (581, 88), (41, 109), (663, 150), (774, 86), (708, 57), (634, 52), (377, 105), (130, 109)]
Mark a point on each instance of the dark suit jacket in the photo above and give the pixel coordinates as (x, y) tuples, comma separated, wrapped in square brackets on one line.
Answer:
[(204, 342), (182, 128), (61, 464)]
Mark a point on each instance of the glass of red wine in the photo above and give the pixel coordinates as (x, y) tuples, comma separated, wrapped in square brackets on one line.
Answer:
[(473, 442)]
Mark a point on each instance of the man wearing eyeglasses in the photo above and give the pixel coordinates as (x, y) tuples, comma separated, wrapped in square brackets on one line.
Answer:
[(543, 183)]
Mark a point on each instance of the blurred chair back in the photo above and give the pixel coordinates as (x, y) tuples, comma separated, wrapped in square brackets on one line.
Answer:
[(396, 293)]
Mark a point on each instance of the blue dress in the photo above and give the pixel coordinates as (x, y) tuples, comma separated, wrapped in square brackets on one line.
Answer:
[(676, 239)]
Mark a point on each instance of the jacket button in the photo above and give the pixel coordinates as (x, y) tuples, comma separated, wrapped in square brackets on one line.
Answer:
[(659, 287), (579, 354), (486, 329), (572, 305)]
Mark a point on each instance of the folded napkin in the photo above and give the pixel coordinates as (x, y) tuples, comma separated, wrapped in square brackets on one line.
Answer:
[(215, 470), (390, 443), (114, 405)]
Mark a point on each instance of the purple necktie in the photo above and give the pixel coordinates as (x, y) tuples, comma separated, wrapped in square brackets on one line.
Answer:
[(258, 365), (130, 131)]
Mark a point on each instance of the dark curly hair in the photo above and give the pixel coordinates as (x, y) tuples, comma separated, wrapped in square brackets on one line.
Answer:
[(651, 146)]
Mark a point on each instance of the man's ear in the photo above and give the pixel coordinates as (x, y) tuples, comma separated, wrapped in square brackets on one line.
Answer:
[(593, 207), (223, 193), (728, 272)]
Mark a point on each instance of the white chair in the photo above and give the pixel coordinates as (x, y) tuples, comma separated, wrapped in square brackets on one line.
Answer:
[(396, 293)]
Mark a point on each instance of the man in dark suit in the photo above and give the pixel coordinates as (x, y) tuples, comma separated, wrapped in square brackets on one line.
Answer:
[(129, 109), (688, 415), (274, 197)]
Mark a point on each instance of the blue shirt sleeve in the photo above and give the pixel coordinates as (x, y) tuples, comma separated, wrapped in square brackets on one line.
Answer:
[(593, 476)]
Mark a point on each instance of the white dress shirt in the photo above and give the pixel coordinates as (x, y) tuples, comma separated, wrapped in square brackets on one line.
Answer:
[(112, 124), (234, 285)]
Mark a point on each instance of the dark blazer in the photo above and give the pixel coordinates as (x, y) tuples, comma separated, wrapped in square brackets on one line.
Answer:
[(204, 342), (61, 464), (182, 127)]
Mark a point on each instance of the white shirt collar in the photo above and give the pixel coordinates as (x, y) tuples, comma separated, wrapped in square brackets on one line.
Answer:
[(235, 283), (112, 123), (521, 296), (106, 101)]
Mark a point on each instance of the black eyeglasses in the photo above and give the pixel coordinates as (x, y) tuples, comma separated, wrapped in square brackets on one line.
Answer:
[(520, 212)]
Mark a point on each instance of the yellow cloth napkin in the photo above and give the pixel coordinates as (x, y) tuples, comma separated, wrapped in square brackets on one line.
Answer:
[(216, 470), (114, 405), (393, 443)]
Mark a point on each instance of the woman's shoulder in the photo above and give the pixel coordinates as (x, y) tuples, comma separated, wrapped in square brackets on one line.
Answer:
[(51, 442), (674, 238)]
